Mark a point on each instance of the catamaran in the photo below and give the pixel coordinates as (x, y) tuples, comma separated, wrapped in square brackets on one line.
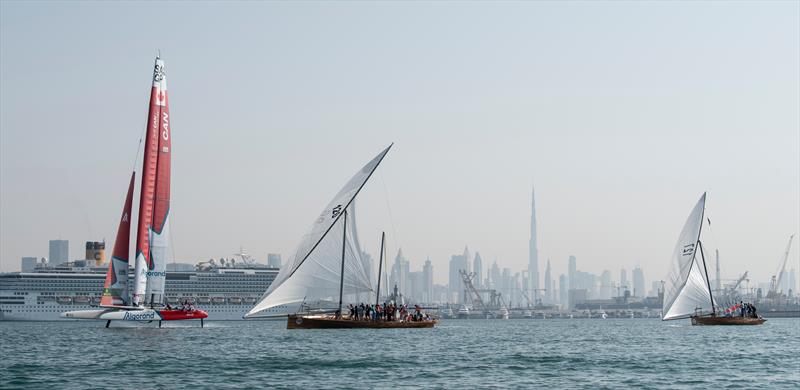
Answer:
[(687, 289), (146, 303), (329, 268)]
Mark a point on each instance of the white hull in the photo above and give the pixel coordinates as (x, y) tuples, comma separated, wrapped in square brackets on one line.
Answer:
[(53, 312), (113, 314)]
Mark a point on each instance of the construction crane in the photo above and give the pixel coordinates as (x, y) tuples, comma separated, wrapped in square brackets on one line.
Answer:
[(775, 283), (469, 290)]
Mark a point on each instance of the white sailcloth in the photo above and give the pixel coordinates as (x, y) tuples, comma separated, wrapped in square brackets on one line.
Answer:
[(686, 288), (313, 275)]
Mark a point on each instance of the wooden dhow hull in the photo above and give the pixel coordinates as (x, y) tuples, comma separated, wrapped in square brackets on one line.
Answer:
[(710, 320), (295, 321)]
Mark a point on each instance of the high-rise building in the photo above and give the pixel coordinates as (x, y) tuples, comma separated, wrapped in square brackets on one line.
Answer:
[(548, 284), (477, 267), (638, 282), (606, 285), (274, 260), (427, 279), (466, 258), (533, 249), (623, 280), (505, 288), (59, 251), (718, 282), (793, 281), (399, 274), (415, 283), (28, 264), (572, 267), (457, 263), (563, 288), (494, 276)]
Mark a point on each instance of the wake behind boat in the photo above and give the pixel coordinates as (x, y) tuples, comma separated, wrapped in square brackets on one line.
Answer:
[(687, 289), (329, 266), (152, 246)]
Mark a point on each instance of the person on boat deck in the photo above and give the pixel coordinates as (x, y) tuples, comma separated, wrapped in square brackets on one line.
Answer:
[(742, 308), (753, 307)]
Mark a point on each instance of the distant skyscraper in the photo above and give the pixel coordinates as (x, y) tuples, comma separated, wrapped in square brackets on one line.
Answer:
[(59, 251), (718, 282), (623, 280), (793, 281), (427, 279), (273, 260), (494, 276), (28, 264), (638, 282), (399, 275), (533, 249), (548, 284), (563, 289), (606, 285), (477, 267), (572, 269), (466, 258), (457, 262)]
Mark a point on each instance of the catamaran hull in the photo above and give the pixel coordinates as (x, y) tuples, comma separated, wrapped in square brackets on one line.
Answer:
[(113, 315), (727, 321), (301, 322), (135, 315)]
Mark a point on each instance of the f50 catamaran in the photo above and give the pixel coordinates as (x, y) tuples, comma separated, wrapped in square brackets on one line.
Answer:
[(146, 301), (687, 289)]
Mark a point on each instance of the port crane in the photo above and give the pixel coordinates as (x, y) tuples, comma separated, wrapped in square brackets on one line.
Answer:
[(775, 283), (471, 292)]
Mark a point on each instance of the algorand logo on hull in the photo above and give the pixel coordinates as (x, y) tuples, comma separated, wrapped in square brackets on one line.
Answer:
[(147, 316)]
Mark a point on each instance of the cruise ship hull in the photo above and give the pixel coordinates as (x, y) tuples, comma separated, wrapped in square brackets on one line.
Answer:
[(42, 295)]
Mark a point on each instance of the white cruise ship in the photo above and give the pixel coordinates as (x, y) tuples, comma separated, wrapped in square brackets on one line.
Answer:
[(225, 292)]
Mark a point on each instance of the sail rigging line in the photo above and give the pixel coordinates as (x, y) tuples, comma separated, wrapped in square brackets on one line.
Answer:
[(708, 282), (340, 215), (380, 266), (341, 275)]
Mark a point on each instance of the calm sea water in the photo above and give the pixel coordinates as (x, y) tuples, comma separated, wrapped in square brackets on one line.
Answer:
[(465, 354)]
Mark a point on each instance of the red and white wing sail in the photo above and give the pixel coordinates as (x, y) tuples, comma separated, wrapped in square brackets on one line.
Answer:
[(153, 226)]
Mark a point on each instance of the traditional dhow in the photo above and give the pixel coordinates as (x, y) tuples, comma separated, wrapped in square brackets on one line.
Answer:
[(687, 289), (329, 268)]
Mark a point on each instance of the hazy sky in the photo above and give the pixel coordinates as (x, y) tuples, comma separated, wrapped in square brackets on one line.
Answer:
[(620, 113)]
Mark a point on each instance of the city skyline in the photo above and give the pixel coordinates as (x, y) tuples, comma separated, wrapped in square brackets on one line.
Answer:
[(620, 146)]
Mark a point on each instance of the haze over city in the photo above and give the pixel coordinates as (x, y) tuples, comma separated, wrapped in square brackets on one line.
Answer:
[(620, 116)]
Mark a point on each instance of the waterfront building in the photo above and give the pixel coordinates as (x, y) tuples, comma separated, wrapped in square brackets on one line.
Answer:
[(623, 279), (399, 273), (572, 267), (548, 284), (606, 285), (427, 278), (638, 282), (563, 288), (457, 262)]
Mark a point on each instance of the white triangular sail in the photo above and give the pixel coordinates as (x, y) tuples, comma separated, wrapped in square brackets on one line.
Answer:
[(686, 288), (313, 275)]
